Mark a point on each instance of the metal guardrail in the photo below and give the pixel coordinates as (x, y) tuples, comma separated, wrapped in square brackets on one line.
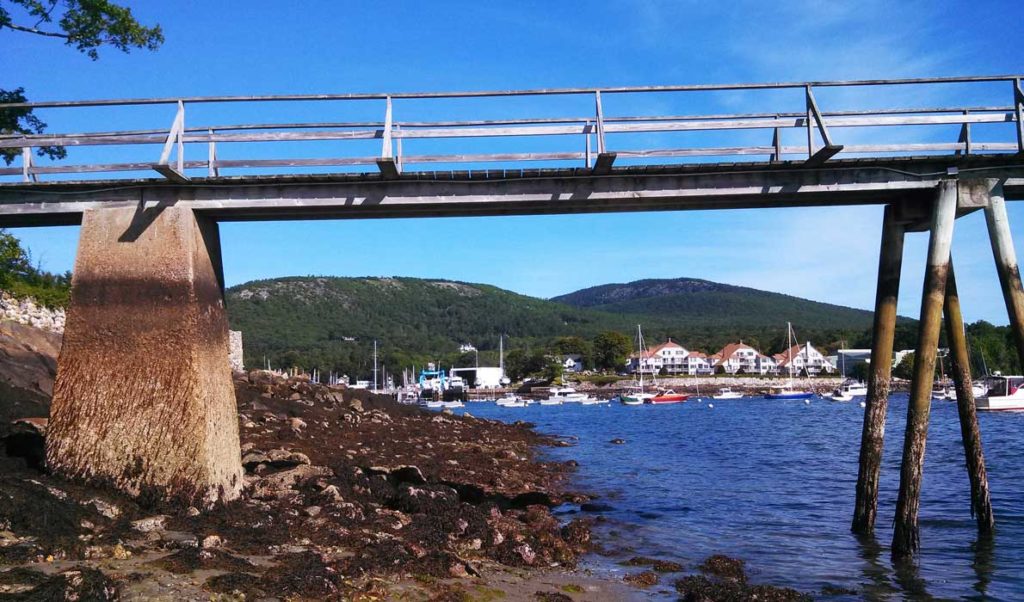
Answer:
[(595, 130)]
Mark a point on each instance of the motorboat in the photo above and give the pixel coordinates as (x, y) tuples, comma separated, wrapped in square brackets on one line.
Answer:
[(977, 390), (635, 396), (669, 396), (551, 401), (517, 403), (627, 399), (1005, 393), (593, 401), (728, 393), (510, 400), (847, 391)]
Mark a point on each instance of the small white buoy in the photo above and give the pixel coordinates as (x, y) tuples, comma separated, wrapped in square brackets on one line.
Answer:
[(863, 404), (711, 406), (807, 402)]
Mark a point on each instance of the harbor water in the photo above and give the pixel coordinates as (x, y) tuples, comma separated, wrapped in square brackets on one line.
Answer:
[(772, 482)]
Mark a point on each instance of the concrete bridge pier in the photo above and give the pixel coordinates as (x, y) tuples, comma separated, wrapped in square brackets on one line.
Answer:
[(144, 400)]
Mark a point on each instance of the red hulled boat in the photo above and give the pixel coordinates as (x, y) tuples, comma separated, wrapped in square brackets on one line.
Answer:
[(670, 397)]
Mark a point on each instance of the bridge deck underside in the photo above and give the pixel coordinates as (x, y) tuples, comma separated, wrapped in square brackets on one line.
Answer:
[(522, 192)]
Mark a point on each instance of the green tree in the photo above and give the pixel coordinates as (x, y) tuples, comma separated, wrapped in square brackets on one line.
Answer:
[(553, 369), (611, 349), (21, 279), (86, 25)]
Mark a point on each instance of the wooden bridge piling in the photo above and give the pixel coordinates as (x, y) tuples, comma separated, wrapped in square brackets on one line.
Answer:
[(970, 432), (906, 539), (1006, 263), (890, 263)]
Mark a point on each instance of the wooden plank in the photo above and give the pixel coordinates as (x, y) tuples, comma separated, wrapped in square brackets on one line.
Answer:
[(171, 173), (965, 139), (823, 154), (172, 136), (387, 168), (472, 132), (386, 152), (527, 92), (326, 162), (105, 167), (812, 107), (1018, 110), (603, 165), (494, 157), (26, 165), (211, 170)]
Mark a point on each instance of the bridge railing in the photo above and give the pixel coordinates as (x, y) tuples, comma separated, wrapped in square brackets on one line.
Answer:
[(596, 135)]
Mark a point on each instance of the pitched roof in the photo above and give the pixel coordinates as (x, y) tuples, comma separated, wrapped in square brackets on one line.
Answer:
[(666, 345), (791, 353), (729, 350)]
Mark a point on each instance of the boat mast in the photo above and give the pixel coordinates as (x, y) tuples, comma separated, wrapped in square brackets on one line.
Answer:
[(789, 345), (640, 355), (375, 365)]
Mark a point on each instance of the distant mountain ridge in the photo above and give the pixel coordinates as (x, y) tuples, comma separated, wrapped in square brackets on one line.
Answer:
[(606, 294), (706, 303)]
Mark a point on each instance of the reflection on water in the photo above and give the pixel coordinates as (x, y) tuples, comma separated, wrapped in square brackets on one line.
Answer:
[(772, 482), (983, 547)]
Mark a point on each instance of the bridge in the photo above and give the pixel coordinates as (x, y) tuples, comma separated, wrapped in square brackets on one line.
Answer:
[(143, 398)]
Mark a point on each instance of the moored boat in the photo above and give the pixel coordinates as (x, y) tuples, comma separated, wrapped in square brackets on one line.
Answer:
[(847, 391), (1005, 393), (669, 396), (788, 391), (728, 393)]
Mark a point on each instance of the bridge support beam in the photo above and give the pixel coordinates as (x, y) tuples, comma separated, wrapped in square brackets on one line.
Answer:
[(890, 262), (970, 432), (1006, 263), (144, 399), (906, 538)]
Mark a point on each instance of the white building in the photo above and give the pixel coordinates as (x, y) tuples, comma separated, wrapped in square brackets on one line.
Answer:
[(572, 363), (804, 357), (736, 358), (698, 364)]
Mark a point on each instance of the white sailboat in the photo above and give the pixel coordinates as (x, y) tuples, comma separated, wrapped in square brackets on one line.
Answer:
[(636, 395), (788, 391)]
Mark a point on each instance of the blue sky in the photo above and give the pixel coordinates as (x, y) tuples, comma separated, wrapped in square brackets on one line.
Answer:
[(259, 47)]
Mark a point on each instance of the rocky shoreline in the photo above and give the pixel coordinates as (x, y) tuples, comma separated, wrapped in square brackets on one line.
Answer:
[(347, 495)]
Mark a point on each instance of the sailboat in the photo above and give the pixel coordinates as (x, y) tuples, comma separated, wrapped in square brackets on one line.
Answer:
[(504, 380), (788, 392), (636, 395)]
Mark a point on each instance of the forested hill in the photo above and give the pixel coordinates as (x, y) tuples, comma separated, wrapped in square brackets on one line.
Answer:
[(321, 321), (704, 303), (330, 322)]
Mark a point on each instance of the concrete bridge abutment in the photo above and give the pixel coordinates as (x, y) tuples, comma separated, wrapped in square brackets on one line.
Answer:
[(143, 399)]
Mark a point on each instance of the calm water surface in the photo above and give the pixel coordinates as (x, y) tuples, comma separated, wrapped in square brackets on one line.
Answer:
[(772, 482)]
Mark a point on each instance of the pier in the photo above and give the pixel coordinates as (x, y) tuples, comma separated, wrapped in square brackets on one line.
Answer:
[(148, 291)]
